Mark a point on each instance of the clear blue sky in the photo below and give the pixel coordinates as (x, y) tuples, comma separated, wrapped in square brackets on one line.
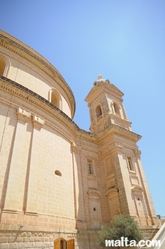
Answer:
[(124, 41)]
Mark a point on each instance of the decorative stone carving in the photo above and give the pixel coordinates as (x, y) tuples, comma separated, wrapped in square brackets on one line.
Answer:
[(137, 153), (37, 122), (137, 188), (23, 115), (115, 145), (112, 190), (75, 148), (94, 193)]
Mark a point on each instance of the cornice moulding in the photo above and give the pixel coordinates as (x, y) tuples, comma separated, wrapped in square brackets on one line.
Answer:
[(102, 89), (117, 130), (41, 103), (37, 100)]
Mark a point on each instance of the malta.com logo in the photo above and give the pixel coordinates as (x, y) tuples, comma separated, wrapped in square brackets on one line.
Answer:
[(124, 242)]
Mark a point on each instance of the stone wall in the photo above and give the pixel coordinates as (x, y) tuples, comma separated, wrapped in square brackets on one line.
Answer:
[(20, 237), (33, 237)]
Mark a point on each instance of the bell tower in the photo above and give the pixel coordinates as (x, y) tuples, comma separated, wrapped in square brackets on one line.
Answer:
[(106, 106), (122, 179)]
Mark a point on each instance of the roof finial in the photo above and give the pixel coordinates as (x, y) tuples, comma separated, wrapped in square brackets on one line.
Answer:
[(100, 81), (99, 77)]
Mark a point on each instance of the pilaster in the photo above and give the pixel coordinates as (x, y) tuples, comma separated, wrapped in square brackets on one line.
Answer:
[(33, 167), (14, 193), (117, 162), (152, 219), (79, 192)]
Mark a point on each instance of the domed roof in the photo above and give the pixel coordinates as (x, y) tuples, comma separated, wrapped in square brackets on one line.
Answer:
[(38, 60)]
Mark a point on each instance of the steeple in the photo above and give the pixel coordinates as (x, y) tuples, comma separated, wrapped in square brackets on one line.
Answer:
[(106, 106)]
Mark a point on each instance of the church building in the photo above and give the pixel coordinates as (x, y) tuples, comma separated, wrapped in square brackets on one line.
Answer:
[(58, 183)]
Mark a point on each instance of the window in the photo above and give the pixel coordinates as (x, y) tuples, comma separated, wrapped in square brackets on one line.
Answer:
[(116, 109), (98, 112), (55, 99), (57, 172), (130, 165), (90, 167), (2, 65)]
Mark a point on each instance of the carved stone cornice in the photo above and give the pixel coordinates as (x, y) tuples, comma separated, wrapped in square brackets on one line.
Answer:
[(20, 92), (115, 129), (16, 46), (102, 87)]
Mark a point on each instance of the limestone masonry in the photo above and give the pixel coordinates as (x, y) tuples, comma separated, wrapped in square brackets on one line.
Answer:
[(59, 183)]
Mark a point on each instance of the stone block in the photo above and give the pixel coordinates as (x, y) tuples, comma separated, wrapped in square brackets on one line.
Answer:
[(13, 246), (4, 246), (3, 240), (1, 234)]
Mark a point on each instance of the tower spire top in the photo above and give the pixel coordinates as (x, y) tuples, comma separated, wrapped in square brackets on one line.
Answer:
[(100, 81), (99, 77)]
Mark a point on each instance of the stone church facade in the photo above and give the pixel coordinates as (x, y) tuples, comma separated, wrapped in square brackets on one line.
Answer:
[(59, 183)]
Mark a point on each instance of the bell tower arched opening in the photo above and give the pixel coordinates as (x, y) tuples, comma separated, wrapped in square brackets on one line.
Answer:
[(116, 109), (98, 112), (106, 106)]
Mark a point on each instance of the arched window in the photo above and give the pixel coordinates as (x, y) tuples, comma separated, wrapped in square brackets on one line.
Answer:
[(3, 65), (98, 112), (55, 98), (116, 109), (130, 164)]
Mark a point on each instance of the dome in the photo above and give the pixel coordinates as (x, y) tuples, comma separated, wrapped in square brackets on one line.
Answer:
[(28, 68)]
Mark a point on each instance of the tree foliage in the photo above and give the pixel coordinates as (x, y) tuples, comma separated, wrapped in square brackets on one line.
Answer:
[(120, 226)]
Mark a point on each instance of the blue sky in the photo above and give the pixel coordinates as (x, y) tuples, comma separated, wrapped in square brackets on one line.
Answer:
[(124, 41)]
